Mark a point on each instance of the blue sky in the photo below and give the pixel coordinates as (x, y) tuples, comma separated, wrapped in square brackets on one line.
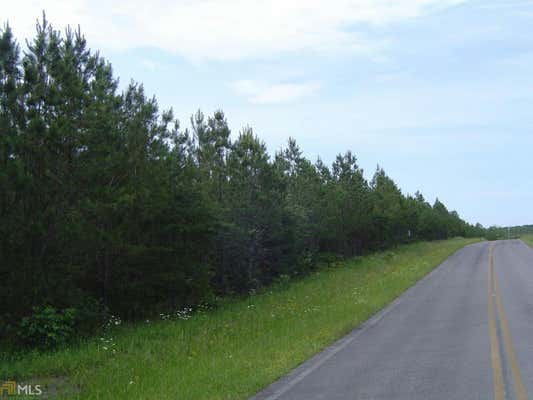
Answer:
[(439, 93)]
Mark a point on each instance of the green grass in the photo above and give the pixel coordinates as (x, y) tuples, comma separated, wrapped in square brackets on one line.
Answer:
[(527, 239), (236, 350)]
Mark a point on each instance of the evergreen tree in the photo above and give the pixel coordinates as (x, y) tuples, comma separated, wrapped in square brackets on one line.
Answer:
[(107, 205)]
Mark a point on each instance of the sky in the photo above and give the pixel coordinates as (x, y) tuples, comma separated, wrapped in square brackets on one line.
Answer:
[(438, 93)]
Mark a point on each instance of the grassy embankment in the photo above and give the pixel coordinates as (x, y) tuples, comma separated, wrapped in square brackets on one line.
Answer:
[(234, 351), (527, 239)]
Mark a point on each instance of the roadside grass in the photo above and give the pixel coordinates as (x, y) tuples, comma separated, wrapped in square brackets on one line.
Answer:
[(527, 239), (236, 350)]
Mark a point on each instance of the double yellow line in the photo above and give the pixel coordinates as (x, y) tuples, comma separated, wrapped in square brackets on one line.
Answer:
[(496, 356)]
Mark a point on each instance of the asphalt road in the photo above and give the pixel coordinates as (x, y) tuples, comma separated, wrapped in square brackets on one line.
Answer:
[(463, 332)]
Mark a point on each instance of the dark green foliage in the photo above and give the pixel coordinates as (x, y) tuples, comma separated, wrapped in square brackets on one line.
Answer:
[(48, 327), (107, 206)]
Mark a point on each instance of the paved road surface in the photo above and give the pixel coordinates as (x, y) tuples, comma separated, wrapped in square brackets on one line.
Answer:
[(463, 332)]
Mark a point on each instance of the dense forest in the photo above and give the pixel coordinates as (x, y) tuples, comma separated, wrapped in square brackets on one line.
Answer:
[(109, 207)]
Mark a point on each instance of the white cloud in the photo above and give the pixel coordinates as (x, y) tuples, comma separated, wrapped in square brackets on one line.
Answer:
[(507, 4), (221, 29), (151, 65), (263, 93)]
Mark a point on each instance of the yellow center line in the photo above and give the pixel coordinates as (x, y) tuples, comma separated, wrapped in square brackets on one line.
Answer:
[(519, 386), (499, 389)]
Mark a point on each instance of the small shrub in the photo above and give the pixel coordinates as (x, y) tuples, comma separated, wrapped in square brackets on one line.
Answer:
[(48, 327), (307, 262), (324, 260), (283, 281)]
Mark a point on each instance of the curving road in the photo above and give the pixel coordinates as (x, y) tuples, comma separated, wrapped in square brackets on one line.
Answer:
[(463, 332)]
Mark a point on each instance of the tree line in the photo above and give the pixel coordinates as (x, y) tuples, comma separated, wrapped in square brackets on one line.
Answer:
[(507, 232), (107, 205)]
